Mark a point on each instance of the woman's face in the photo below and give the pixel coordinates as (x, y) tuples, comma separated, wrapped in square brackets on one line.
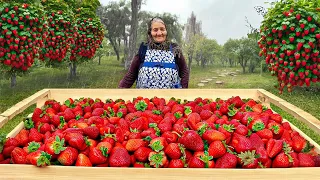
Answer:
[(158, 32)]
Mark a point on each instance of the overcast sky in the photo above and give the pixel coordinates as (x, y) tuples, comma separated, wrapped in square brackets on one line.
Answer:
[(221, 19)]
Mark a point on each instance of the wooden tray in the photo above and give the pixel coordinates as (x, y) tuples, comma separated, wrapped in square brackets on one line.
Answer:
[(11, 171)]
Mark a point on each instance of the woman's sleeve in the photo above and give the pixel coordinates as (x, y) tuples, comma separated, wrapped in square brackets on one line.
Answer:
[(183, 71), (132, 73)]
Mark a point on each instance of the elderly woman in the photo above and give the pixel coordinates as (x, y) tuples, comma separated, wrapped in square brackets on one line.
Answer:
[(159, 63)]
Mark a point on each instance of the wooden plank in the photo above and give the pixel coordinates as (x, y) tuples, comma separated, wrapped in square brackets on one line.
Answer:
[(127, 94), (22, 105), (3, 120), (17, 129), (65, 173)]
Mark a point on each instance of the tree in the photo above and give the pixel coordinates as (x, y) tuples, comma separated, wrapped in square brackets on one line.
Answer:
[(135, 8), (192, 28), (230, 49), (206, 50), (115, 18)]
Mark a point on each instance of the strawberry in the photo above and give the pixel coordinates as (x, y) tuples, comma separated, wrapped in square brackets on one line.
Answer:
[(23, 137), (242, 130), (205, 114), (68, 156), (196, 162), (170, 136), (274, 147), (192, 120), (54, 145), (282, 160), (213, 135), (76, 140), (83, 160), (68, 115), (39, 158), (18, 156), (300, 144), (265, 135), (276, 117), (176, 163), (35, 136), (217, 149), (192, 141), (248, 159), (91, 131), (142, 154), (119, 157), (157, 159), (256, 125), (134, 144), (32, 147), (241, 143), (276, 129), (98, 156), (158, 144), (227, 161), (173, 151)]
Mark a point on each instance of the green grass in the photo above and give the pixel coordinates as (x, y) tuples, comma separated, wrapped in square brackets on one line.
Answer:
[(110, 72)]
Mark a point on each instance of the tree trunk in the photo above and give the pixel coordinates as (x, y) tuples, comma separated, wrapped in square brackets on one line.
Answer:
[(189, 63), (73, 70), (135, 7), (13, 80), (99, 60), (114, 45)]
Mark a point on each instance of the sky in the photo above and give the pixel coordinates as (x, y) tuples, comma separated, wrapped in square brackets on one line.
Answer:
[(221, 19)]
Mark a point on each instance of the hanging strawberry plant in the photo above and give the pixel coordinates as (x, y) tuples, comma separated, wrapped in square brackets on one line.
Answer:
[(89, 36), (21, 26), (60, 33), (290, 42)]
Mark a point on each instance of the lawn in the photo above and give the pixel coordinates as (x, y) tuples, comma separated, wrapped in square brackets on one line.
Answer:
[(109, 73)]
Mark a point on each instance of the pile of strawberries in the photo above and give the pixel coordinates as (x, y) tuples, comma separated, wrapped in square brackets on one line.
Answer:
[(290, 41), (21, 27), (88, 40), (202, 133)]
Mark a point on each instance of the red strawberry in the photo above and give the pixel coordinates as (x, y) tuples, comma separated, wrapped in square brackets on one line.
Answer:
[(213, 135), (227, 161), (32, 147), (276, 117), (192, 120), (23, 137), (196, 162), (242, 130), (35, 136), (54, 145), (173, 150), (256, 125), (157, 159), (265, 135), (282, 160), (191, 140), (170, 136), (68, 156), (76, 140), (83, 160), (176, 163), (91, 131), (158, 144), (248, 159), (142, 154), (39, 158), (205, 114), (300, 144), (134, 144), (276, 129), (18, 156), (98, 156), (241, 143), (256, 141), (119, 157), (274, 147), (217, 149)]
